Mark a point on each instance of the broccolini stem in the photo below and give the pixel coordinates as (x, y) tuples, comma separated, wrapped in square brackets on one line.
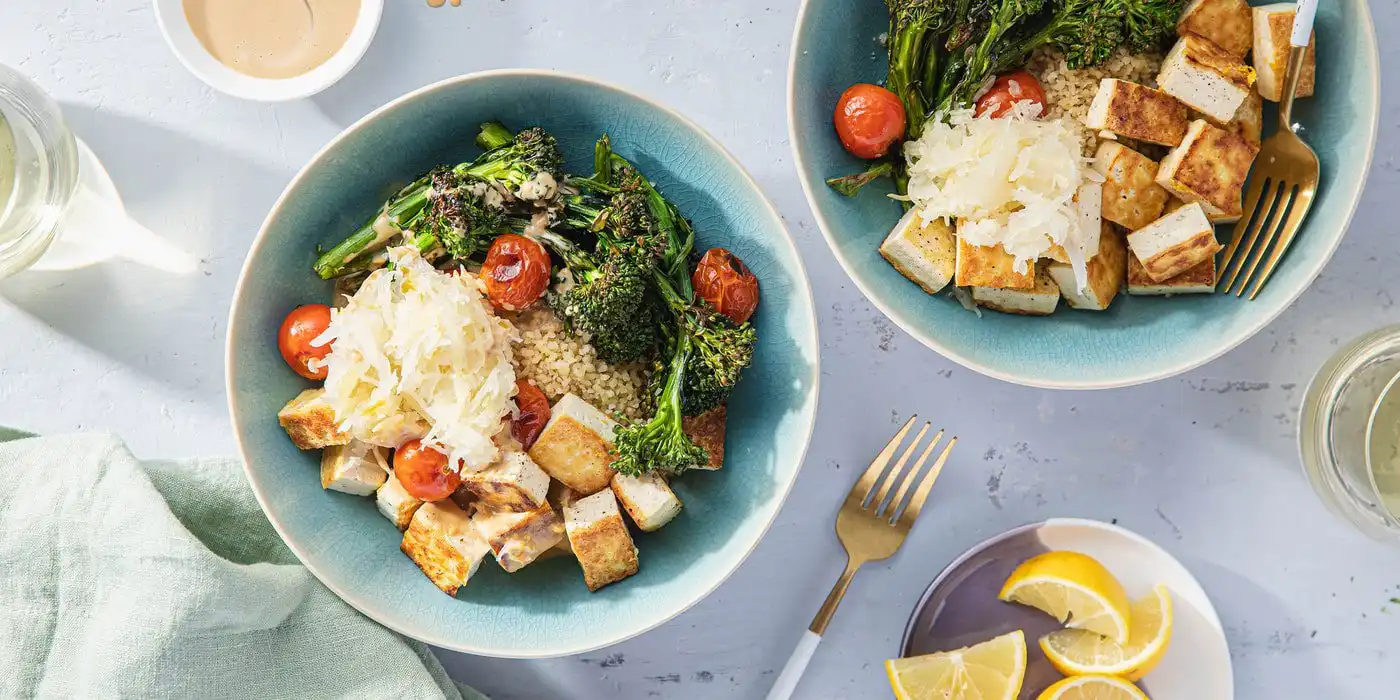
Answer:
[(336, 261), (493, 135), (850, 185)]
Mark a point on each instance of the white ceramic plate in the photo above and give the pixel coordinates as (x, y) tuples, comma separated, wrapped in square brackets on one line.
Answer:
[(961, 608)]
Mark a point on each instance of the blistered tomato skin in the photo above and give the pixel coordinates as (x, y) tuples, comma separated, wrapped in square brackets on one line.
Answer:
[(294, 338), (869, 120), (423, 472), (516, 272), (1007, 91), (724, 280), (533, 413)]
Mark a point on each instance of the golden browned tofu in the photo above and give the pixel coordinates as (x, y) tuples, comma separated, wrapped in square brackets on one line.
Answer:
[(600, 539), (648, 499), (1209, 167), (1106, 271), (358, 469), (1131, 197), (519, 538), (1249, 120), (310, 422), (1040, 300), (443, 543), (1273, 25), (990, 266), (1228, 23), (575, 447), (1205, 77), (707, 431), (1137, 112), (1174, 243), (513, 482), (1197, 280), (925, 253)]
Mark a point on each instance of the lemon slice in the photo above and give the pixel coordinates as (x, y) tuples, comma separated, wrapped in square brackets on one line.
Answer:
[(1093, 688), (1079, 652), (1076, 589), (992, 670)]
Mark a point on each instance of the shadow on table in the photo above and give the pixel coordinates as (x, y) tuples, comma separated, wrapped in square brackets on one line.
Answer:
[(201, 201)]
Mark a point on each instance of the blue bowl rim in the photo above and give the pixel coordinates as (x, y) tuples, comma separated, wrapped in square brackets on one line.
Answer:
[(808, 188), (244, 278)]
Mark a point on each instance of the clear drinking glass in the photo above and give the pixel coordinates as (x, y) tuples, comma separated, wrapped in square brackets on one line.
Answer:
[(38, 171), (1349, 430)]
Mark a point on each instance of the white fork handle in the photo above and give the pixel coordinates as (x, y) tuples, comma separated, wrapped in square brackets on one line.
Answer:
[(1303, 22), (792, 673)]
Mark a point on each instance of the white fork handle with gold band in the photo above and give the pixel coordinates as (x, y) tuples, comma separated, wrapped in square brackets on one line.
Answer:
[(1303, 23), (792, 673)]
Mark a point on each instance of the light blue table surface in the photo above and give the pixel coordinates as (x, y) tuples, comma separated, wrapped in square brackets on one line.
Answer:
[(1205, 463)]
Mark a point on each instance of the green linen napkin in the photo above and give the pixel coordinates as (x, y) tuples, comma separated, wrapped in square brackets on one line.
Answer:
[(121, 578)]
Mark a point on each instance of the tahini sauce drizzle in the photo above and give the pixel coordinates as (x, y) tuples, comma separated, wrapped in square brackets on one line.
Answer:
[(272, 38)]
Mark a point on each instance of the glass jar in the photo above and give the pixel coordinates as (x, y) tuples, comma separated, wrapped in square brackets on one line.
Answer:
[(1349, 417), (38, 171)]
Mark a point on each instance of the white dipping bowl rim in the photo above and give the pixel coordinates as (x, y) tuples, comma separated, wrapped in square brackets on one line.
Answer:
[(170, 15)]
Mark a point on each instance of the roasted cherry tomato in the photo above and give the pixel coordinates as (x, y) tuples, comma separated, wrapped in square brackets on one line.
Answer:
[(724, 280), (1007, 91), (533, 413), (516, 272), (423, 472), (294, 338), (869, 120)]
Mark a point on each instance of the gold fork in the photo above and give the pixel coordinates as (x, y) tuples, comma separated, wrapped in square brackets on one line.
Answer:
[(1284, 182), (871, 526)]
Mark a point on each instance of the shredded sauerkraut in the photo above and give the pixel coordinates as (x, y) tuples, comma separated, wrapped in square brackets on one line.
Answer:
[(419, 354), (1009, 180)]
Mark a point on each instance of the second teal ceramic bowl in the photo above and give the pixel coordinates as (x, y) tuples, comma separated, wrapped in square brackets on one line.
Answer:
[(544, 609), (1139, 339)]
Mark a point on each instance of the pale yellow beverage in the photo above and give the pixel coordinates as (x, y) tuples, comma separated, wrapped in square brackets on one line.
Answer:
[(1383, 449)]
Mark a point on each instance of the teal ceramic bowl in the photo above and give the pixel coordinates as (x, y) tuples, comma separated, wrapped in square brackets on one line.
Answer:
[(1140, 339), (543, 610)]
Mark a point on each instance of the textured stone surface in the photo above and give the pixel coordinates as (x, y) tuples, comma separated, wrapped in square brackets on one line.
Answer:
[(1205, 464)]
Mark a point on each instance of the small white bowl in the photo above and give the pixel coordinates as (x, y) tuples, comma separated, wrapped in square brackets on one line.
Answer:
[(170, 15)]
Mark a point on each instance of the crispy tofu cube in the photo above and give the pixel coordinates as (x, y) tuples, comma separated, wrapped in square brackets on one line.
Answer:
[(926, 253), (513, 482), (648, 499), (1175, 243), (395, 503), (707, 431), (1205, 77), (443, 543), (1249, 120), (1272, 26), (990, 266), (600, 539), (1137, 112), (310, 422), (1106, 269), (1197, 280), (1040, 300), (358, 468), (1227, 23), (576, 446), (1131, 197), (560, 496), (1210, 167), (519, 538)]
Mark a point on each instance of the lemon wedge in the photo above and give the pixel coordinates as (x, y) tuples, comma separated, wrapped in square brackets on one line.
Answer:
[(1079, 652), (992, 670), (1076, 589), (1093, 688)]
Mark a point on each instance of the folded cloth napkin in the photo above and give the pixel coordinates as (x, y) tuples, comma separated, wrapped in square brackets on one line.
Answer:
[(121, 578)]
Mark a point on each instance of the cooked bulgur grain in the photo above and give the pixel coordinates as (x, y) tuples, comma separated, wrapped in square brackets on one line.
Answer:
[(1070, 92), (560, 362)]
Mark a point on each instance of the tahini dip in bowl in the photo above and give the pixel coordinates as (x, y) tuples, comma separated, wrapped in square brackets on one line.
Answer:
[(269, 50)]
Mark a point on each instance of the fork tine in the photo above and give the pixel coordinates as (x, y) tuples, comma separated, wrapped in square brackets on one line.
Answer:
[(1269, 236), (910, 476), (916, 502), (1247, 231), (888, 482), (867, 480), (1301, 204)]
